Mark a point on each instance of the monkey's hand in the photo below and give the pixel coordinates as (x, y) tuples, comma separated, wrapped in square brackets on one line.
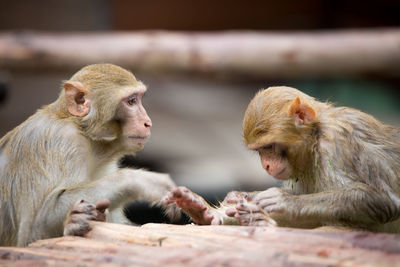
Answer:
[(250, 214), (171, 209), (194, 206), (276, 202), (77, 222), (153, 187), (235, 197)]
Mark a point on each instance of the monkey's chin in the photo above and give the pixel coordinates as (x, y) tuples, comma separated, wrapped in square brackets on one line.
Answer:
[(136, 142), (283, 174)]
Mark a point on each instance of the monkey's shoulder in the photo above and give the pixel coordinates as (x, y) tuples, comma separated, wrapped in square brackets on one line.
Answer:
[(359, 140), (38, 131), (355, 123)]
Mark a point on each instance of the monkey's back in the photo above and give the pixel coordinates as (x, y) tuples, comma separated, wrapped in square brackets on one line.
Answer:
[(26, 176)]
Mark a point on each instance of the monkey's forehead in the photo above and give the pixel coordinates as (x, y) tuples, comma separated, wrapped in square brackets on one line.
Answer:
[(138, 88)]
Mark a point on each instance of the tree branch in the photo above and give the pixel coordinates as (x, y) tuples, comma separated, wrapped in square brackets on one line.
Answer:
[(250, 54)]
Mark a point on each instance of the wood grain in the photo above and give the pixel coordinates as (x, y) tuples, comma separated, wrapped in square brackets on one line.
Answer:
[(190, 245)]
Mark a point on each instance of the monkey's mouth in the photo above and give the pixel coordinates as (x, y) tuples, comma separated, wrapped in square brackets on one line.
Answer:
[(138, 137)]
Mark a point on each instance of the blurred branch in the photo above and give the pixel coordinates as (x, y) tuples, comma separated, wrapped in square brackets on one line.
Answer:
[(252, 54)]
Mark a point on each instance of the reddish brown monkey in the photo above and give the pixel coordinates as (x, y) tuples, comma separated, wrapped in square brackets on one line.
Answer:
[(67, 153), (339, 166)]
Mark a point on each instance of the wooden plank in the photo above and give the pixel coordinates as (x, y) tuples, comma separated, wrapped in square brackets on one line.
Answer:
[(190, 245), (252, 54)]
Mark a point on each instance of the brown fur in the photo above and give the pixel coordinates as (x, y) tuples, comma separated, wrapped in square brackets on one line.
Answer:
[(345, 163), (54, 159)]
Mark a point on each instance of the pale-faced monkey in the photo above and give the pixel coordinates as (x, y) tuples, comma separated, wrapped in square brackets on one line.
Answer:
[(339, 167), (67, 153)]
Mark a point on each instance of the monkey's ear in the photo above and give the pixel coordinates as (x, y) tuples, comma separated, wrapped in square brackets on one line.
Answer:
[(302, 112), (76, 99)]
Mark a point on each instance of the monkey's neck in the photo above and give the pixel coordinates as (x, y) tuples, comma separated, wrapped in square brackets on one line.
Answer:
[(107, 150), (305, 167), (106, 159)]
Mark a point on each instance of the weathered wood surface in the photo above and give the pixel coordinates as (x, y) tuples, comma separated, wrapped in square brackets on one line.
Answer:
[(243, 53), (190, 245)]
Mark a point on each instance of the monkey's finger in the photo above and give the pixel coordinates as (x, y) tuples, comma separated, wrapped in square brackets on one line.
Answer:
[(216, 221), (177, 192), (244, 221), (247, 207), (256, 219), (83, 207), (76, 229), (169, 199), (102, 205), (234, 197), (254, 216), (267, 202), (81, 202), (231, 212), (243, 214), (101, 217), (180, 192), (264, 223), (208, 217)]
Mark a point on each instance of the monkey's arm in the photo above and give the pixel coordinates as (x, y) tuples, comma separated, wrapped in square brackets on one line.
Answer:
[(119, 188), (360, 205)]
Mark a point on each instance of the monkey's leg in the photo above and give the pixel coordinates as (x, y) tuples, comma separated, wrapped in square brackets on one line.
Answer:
[(195, 206), (77, 222)]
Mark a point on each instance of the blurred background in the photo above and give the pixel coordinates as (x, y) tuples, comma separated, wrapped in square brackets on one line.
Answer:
[(203, 61)]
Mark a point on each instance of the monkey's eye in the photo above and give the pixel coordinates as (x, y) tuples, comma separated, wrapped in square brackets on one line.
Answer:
[(132, 100), (269, 147)]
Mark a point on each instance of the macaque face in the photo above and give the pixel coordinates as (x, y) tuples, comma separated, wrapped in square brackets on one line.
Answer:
[(274, 160), (135, 123)]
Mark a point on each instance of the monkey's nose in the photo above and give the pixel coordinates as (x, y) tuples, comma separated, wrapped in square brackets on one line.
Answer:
[(267, 169), (148, 124)]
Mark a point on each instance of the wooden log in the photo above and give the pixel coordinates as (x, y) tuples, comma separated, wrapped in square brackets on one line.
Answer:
[(251, 54), (190, 245)]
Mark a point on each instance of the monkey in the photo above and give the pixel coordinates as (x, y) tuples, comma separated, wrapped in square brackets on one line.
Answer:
[(339, 167), (59, 168)]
